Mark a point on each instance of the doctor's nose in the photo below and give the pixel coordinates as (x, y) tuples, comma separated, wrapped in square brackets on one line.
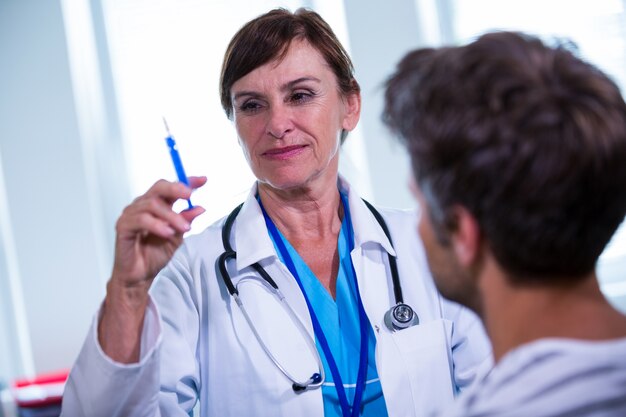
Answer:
[(279, 122)]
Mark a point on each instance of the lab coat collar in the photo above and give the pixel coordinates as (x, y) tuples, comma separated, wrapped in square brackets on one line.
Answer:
[(252, 242), (366, 228), (252, 245)]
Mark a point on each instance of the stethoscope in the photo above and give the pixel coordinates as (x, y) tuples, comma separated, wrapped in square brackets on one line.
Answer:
[(398, 317)]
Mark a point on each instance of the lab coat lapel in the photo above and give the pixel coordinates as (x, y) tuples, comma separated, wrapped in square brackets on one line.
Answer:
[(369, 258), (282, 337), (376, 288), (424, 383), (255, 246)]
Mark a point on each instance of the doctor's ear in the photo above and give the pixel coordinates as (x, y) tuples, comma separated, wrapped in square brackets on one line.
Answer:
[(466, 236), (352, 103)]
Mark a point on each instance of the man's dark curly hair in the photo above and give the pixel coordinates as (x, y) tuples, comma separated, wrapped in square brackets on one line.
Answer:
[(528, 137)]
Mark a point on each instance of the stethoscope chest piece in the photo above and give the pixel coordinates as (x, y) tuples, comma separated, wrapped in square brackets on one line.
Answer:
[(400, 316)]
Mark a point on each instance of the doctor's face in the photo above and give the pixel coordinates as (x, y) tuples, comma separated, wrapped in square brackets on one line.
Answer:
[(289, 115), (452, 280)]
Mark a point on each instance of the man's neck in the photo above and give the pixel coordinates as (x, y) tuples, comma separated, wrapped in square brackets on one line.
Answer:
[(516, 314)]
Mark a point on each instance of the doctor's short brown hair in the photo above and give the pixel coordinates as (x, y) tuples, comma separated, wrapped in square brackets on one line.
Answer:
[(268, 37), (528, 137)]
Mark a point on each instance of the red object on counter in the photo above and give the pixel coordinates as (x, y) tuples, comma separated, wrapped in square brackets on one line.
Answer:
[(42, 390)]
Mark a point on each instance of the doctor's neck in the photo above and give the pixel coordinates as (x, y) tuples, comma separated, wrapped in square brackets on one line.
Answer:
[(303, 211)]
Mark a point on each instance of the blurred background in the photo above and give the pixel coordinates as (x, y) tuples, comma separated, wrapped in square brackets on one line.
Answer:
[(84, 85)]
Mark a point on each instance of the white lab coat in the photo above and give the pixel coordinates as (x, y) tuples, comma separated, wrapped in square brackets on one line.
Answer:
[(197, 345)]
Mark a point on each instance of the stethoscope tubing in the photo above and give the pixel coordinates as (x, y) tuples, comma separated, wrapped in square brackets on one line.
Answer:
[(308, 384), (393, 264), (318, 379)]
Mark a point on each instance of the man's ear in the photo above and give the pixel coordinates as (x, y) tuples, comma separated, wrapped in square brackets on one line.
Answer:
[(466, 237)]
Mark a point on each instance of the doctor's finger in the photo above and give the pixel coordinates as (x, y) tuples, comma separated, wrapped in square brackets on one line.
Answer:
[(197, 182), (157, 208), (143, 224), (192, 213), (168, 191)]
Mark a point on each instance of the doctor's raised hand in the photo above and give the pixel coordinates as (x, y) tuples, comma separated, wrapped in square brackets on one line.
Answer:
[(305, 300), (147, 234)]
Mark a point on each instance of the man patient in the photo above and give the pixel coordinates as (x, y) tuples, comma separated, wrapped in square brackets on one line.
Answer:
[(518, 152)]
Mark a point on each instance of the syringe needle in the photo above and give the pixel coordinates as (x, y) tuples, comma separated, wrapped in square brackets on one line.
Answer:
[(166, 126)]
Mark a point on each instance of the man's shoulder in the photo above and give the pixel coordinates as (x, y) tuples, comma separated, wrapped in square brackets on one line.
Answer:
[(553, 377)]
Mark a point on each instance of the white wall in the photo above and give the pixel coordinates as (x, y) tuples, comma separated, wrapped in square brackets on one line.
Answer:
[(57, 241), (379, 36)]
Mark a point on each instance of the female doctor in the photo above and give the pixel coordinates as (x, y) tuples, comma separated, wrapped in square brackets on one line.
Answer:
[(355, 326)]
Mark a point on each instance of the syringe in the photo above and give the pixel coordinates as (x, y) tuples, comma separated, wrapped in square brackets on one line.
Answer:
[(178, 164)]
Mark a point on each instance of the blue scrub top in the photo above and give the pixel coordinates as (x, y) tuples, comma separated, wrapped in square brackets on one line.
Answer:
[(339, 320)]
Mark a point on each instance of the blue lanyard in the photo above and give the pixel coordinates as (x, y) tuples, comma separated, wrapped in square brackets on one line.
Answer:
[(319, 333)]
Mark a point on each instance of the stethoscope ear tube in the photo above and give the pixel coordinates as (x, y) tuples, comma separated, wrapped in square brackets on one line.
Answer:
[(221, 262), (229, 253), (393, 265), (400, 316), (317, 379), (228, 225)]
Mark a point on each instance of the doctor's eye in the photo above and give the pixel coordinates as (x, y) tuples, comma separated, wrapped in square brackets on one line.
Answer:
[(249, 106), (301, 96)]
